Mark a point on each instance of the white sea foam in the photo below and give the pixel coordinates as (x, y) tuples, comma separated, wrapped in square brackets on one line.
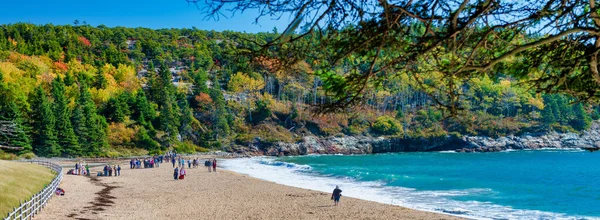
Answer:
[(435, 201)]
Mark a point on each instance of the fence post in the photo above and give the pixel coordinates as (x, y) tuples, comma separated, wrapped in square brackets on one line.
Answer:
[(31, 207)]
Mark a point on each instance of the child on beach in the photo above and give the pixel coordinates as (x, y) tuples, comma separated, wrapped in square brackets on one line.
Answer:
[(337, 193), (118, 170)]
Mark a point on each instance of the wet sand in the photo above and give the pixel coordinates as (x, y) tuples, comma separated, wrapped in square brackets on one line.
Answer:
[(153, 194)]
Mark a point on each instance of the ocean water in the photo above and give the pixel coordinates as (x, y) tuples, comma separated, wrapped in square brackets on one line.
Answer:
[(536, 184)]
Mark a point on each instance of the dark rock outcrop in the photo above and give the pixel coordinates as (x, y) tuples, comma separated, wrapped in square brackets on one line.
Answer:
[(589, 139)]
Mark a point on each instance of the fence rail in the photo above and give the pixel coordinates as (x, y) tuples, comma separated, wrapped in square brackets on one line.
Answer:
[(33, 206)]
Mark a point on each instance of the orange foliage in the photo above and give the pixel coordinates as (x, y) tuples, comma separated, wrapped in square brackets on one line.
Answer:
[(84, 41), (60, 66), (203, 98), (271, 64)]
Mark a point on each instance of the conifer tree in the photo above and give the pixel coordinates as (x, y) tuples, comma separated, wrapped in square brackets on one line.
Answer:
[(64, 131), (143, 111), (115, 110), (143, 139), (90, 127), (581, 120), (16, 135), (44, 137), (221, 127), (69, 79), (548, 114), (100, 81)]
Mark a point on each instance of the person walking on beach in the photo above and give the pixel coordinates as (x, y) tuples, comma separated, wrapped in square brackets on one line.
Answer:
[(176, 173), (182, 173), (118, 170), (109, 170), (173, 161), (87, 169), (189, 164), (214, 165), (209, 164), (337, 193), (105, 170)]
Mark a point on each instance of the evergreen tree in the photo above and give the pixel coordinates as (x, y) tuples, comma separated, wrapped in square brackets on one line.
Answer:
[(169, 120), (200, 78), (115, 110), (548, 114), (219, 118), (64, 131), (44, 137), (100, 82), (185, 127), (69, 79), (581, 120), (143, 108), (143, 139), (16, 136), (90, 127)]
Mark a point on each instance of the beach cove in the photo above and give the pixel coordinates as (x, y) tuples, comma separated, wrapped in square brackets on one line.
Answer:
[(152, 193)]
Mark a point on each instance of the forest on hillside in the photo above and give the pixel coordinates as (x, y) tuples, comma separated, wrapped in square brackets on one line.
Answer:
[(97, 91)]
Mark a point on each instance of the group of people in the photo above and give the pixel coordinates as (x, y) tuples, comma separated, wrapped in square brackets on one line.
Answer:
[(145, 163), (108, 171), (80, 169), (208, 163), (179, 174)]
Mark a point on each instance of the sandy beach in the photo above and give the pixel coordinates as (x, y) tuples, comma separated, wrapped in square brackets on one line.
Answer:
[(153, 194)]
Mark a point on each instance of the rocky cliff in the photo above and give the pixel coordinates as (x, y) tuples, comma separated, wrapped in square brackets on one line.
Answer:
[(368, 145)]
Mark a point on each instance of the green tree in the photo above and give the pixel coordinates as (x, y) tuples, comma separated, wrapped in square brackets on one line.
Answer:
[(44, 136), (100, 81), (219, 115), (64, 131), (261, 112), (548, 114), (115, 109), (386, 125), (90, 127), (582, 120), (143, 110), (143, 140)]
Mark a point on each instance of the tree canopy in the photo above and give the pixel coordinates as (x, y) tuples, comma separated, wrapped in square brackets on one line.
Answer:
[(552, 44)]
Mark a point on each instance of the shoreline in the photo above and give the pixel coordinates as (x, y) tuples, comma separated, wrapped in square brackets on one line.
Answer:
[(299, 175), (152, 193)]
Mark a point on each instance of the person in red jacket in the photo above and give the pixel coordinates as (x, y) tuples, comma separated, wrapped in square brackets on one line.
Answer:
[(214, 164)]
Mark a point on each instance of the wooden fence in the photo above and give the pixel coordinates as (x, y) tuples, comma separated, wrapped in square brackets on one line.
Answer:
[(33, 206)]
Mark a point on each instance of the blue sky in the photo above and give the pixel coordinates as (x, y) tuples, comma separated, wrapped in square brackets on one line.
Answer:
[(130, 13)]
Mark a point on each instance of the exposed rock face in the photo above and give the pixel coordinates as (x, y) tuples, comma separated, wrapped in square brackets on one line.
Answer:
[(587, 139), (368, 145)]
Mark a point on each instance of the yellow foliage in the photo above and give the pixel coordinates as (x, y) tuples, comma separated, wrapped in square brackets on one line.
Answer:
[(537, 102), (241, 82), (76, 67), (505, 83), (126, 77), (120, 135), (11, 72)]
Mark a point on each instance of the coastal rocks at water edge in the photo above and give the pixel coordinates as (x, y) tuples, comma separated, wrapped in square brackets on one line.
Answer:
[(587, 140)]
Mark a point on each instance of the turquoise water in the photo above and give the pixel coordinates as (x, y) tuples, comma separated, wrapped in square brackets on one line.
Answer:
[(533, 184)]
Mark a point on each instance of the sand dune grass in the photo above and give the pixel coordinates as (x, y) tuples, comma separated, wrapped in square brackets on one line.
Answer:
[(20, 181)]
